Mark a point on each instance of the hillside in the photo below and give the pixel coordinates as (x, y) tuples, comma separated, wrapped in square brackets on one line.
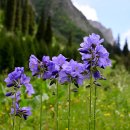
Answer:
[(66, 18)]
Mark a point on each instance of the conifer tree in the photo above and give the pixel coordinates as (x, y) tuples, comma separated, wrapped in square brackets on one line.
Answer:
[(117, 49), (69, 39), (3, 4), (18, 18), (25, 17), (125, 49), (7, 55), (31, 20), (41, 28), (48, 32), (10, 15)]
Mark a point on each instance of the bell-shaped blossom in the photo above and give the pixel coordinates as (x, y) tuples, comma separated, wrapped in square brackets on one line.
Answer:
[(34, 64), (102, 57), (23, 112), (59, 61), (94, 54), (14, 76), (26, 82), (16, 79), (45, 69), (72, 72), (90, 43)]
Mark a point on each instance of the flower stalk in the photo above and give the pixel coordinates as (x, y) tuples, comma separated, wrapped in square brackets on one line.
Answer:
[(14, 106), (95, 99), (41, 110), (57, 110), (69, 92), (90, 100)]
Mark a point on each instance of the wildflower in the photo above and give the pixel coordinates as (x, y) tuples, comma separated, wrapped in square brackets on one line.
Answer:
[(50, 71), (16, 79), (34, 65), (23, 112), (26, 82), (90, 42), (71, 72), (59, 61), (44, 69), (94, 54), (13, 77), (102, 57)]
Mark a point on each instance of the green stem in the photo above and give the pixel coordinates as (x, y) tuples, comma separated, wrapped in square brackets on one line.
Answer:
[(20, 123), (69, 108), (90, 103), (41, 110), (14, 106), (95, 98), (57, 111)]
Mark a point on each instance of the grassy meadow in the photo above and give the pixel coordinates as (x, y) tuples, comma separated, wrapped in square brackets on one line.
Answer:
[(112, 109)]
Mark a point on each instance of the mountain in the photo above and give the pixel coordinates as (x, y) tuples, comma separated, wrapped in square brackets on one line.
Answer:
[(66, 19), (107, 32)]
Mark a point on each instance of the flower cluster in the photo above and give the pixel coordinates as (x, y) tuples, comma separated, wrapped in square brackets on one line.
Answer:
[(15, 81), (58, 68), (44, 69), (94, 54)]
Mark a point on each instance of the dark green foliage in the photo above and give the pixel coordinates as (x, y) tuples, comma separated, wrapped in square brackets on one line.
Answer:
[(18, 52), (10, 15), (18, 18), (117, 49), (6, 53), (25, 17), (1, 17), (41, 28), (63, 25), (125, 49), (69, 39), (3, 4), (31, 20), (48, 32)]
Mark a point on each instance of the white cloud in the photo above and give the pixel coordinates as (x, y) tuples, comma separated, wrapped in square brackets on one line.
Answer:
[(89, 12), (125, 35)]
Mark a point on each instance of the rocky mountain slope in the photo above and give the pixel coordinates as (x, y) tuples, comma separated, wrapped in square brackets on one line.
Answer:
[(107, 32), (67, 18)]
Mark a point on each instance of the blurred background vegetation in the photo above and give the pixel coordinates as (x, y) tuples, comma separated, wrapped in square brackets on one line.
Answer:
[(28, 27)]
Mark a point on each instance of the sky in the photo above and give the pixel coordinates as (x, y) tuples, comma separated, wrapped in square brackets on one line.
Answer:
[(114, 14)]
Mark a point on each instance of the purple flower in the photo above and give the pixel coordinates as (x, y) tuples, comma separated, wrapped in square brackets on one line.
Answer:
[(102, 57), (94, 55), (64, 77), (16, 79), (93, 52), (13, 77), (26, 82), (59, 61), (72, 72), (96, 75), (18, 93), (34, 65), (9, 94), (50, 71), (23, 112), (45, 69), (45, 60), (90, 43)]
